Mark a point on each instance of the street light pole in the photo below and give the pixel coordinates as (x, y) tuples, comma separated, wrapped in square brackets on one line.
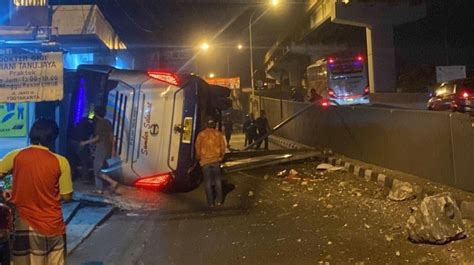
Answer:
[(251, 55)]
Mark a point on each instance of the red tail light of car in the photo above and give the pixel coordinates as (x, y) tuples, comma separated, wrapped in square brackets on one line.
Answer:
[(164, 76), (155, 182), (465, 95)]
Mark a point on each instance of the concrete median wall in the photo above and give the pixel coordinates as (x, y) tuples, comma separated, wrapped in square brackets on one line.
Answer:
[(434, 145)]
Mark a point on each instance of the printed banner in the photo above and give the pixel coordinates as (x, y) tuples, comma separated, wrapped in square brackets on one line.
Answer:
[(31, 77), (13, 119)]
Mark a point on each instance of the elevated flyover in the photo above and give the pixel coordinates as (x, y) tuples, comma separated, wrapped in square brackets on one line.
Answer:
[(336, 25)]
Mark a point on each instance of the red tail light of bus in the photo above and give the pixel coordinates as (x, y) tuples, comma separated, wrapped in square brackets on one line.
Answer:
[(155, 182), (325, 103), (331, 93), (366, 91), (163, 76)]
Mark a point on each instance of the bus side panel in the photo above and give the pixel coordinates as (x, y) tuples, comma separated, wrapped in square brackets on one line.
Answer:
[(119, 111)]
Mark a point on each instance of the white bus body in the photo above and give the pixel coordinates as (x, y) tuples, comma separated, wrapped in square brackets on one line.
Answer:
[(342, 81), (155, 123)]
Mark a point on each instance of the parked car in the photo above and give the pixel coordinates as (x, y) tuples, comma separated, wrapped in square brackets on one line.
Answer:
[(456, 95)]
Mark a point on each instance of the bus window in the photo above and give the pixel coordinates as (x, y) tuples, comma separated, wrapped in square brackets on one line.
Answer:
[(346, 68)]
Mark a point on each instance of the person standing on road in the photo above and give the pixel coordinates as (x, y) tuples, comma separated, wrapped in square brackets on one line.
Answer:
[(228, 128), (314, 96), (210, 150), (40, 179), (251, 130), (245, 126), (104, 149), (263, 128)]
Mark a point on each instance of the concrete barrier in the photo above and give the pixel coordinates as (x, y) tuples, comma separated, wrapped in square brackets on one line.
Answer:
[(433, 145)]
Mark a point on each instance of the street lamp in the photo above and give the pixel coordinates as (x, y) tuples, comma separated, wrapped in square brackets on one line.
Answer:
[(273, 3), (211, 75), (204, 46), (240, 46)]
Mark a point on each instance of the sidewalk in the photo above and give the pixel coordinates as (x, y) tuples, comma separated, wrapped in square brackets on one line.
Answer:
[(237, 143)]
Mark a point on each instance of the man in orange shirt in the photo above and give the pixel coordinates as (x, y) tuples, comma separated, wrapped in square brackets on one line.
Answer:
[(40, 179), (210, 150)]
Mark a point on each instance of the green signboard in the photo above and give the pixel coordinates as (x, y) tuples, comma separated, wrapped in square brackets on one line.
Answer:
[(13, 119)]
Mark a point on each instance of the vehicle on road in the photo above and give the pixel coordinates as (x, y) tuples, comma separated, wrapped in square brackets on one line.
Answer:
[(456, 95), (156, 116), (341, 80)]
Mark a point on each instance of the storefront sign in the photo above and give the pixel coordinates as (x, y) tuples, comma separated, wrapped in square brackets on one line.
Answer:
[(13, 119), (31, 77)]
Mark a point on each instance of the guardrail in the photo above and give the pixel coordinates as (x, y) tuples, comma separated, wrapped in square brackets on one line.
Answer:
[(434, 145)]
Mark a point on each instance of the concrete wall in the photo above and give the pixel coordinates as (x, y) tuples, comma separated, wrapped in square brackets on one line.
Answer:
[(433, 145), (85, 20)]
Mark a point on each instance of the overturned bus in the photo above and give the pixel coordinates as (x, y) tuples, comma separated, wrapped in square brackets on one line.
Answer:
[(156, 117)]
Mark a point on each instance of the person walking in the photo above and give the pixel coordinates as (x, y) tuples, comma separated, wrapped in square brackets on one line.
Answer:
[(263, 128), (228, 128), (104, 149), (210, 150), (81, 160), (41, 179)]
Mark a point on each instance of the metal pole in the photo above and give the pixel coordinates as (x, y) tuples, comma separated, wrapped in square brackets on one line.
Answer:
[(251, 55), (228, 65), (281, 124)]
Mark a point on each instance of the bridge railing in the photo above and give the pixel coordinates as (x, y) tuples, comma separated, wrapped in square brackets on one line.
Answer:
[(432, 145)]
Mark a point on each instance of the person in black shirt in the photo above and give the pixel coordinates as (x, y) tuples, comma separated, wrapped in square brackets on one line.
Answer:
[(250, 129), (263, 128), (228, 128)]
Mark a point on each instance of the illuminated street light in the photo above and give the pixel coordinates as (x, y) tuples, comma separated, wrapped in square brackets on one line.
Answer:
[(273, 3), (240, 46), (211, 75), (204, 46)]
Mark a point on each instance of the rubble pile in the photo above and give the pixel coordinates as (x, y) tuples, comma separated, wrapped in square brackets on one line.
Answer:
[(437, 221)]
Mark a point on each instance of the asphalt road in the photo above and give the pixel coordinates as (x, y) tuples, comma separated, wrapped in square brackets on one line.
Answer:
[(311, 219)]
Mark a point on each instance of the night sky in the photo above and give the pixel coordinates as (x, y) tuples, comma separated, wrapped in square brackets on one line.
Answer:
[(444, 36)]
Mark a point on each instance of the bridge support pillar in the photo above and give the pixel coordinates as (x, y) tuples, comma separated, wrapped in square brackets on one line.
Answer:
[(381, 58)]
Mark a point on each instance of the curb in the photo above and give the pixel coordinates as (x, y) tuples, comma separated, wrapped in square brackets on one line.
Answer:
[(367, 174), (288, 143), (466, 207)]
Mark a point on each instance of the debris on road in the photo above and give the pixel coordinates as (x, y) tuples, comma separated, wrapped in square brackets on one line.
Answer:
[(250, 193), (437, 221), (282, 173), (328, 167), (401, 191), (293, 173)]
